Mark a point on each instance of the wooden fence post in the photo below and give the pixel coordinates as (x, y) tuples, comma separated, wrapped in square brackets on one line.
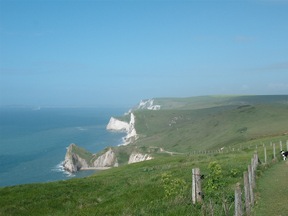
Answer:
[(265, 155), (238, 201), (280, 143), (274, 151), (250, 185), (247, 194), (196, 186), (252, 173), (255, 161)]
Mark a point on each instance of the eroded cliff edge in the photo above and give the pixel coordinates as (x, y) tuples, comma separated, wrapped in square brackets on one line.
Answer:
[(77, 158), (118, 125)]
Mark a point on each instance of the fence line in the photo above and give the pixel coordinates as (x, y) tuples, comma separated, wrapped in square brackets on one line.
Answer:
[(249, 178), (233, 149), (249, 185)]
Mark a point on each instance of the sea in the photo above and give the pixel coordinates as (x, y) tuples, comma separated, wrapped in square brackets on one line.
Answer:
[(33, 141)]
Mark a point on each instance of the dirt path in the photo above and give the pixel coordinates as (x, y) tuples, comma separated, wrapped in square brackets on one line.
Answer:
[(273, 191)]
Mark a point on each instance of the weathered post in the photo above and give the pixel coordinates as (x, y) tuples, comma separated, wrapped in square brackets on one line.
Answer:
[(280, 143), (196, 186), (252, 173), (247, 194), (250, 185), (238, 201), (255, 161), (274, 151), (265, 155)]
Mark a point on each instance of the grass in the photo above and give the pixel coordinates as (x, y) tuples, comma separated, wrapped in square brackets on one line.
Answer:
[(272, 191), (135, 189), (238, 124)]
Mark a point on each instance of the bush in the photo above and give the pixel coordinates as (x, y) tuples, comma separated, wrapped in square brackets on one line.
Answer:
[(173, 186), (214, 181)]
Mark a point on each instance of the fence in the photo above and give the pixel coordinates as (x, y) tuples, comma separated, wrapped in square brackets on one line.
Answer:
[(249, 178), (249, 186)]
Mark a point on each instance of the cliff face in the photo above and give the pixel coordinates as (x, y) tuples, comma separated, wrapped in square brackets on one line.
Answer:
[(108, 159), (138, 157), (148, 104), (117, 125), (77, 159), (74, 162)]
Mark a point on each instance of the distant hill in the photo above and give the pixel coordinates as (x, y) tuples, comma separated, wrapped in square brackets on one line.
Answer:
[(218, 100), (209, 122)]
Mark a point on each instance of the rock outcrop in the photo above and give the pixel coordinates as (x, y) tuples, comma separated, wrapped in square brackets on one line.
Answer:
[(138, 157), (74, 162), (117, 125), (108, 159), (77, 158), (148, 104)]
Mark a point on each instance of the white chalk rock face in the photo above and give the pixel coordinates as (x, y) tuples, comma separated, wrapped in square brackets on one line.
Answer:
[(117, 125), (131, 133), (73, 162), (138, 157), (148, 104), (108, 159)]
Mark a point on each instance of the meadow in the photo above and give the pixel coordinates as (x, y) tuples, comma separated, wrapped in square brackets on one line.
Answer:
[(192, 138)]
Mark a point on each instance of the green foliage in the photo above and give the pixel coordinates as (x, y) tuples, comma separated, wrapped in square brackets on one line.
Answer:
[(173, 186), (214, 181)]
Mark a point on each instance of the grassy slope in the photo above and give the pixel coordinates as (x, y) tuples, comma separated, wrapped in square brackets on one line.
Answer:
[(210, 128), (137, 189), (273, 182)]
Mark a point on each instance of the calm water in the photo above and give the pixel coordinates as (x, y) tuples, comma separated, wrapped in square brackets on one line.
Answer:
[(33, 142)]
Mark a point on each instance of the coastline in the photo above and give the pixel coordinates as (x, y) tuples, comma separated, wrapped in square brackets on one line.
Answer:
[(95, 168)]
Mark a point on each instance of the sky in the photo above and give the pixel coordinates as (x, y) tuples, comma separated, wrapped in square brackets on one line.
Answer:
[(115, 53)]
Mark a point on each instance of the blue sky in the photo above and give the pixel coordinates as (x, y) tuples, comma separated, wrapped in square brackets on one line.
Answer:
[(95, 53)]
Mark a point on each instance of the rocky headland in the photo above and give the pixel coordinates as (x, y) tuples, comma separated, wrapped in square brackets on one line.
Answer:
[(77, 158)]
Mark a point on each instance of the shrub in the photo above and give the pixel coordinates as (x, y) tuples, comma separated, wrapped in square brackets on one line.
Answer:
[(173, 186), (214, 181)]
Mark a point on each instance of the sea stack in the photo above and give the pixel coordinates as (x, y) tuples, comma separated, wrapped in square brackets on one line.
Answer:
[(73, 162)]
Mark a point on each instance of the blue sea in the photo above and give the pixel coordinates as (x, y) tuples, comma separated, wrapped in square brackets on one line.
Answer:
[(33, 141)]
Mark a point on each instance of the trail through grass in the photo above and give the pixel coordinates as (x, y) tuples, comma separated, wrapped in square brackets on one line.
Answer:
[(273, 191)]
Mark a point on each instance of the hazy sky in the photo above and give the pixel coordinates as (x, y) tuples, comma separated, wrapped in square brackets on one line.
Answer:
[(89, 53)]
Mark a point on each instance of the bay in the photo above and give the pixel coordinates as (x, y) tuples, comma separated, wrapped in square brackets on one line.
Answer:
[(33, 141)]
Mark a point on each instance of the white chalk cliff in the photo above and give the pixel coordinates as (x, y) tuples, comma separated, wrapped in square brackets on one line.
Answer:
[(117, 125), (138, 157), (74, 162), (108, 159), (148, 104)]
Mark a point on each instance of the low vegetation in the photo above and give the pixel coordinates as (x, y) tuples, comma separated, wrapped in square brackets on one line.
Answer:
[(218, 135)]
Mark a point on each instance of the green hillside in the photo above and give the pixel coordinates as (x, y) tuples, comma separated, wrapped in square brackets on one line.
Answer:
[(211, 122), (162, 186), (219, 100)]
